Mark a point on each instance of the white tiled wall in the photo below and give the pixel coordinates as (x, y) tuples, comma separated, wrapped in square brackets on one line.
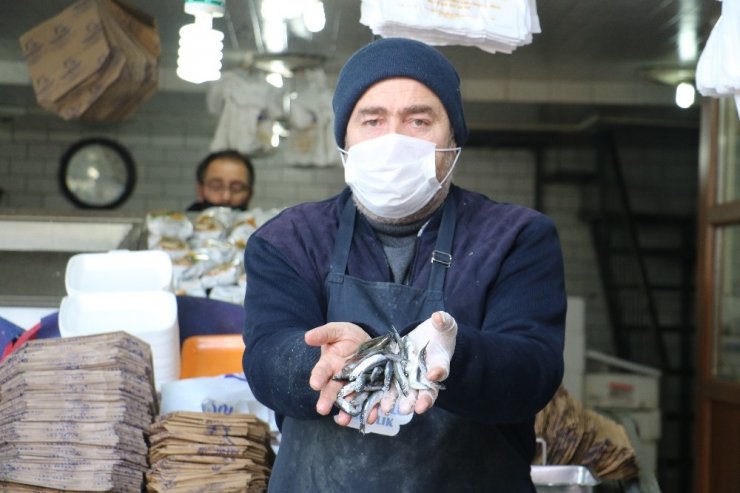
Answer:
[(169, 135)]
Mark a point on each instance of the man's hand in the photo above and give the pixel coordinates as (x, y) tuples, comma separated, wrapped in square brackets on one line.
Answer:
[(438, 333), (337, 340)]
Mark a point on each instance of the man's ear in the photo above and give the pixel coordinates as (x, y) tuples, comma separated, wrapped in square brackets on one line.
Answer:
[(199, 192)]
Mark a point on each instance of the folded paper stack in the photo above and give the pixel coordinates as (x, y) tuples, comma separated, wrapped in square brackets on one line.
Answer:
[(194, 452), (577, 435), (74, 414)]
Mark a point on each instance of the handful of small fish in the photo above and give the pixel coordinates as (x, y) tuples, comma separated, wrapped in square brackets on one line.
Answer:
[(378, 364)]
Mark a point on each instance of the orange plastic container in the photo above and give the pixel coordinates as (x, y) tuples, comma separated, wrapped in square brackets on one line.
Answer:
[(211, 355)]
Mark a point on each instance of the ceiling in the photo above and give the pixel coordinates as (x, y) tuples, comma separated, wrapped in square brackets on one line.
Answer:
[(589, 51)]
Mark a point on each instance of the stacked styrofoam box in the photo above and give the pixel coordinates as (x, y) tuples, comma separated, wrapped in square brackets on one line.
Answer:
[(631, 389), (129, 291), (575, 347)]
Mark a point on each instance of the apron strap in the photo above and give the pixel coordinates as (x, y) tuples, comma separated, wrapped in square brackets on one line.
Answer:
[(343, 242), (442, 254)]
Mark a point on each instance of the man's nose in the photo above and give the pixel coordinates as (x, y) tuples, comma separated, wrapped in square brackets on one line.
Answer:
[(395, 126)]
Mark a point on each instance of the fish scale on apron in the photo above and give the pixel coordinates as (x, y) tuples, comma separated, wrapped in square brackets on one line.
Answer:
[(436, 451)]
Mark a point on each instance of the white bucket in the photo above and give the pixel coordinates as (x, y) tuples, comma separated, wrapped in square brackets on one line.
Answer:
[(149, 315), (119, 270)]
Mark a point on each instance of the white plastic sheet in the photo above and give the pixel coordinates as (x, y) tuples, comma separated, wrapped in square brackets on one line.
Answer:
[(491, 25), (718, 69)]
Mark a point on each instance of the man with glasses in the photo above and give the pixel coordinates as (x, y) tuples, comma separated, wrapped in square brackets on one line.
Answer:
[(224, 179)]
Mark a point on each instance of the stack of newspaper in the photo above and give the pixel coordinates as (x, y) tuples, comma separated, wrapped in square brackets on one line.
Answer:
[(74, 413), (491, 25), (195, 452)]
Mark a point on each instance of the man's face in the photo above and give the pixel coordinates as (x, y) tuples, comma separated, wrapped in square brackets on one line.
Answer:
[(403, 106), (226, 183), (407, 107)]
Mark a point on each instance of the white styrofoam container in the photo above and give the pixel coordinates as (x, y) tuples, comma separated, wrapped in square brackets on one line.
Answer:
[(648, 455), (119, 270), (574, 354), (647, 423), (621, 391), (149, 315)]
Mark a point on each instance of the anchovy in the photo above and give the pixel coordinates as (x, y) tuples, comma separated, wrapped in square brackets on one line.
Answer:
[(368, 406), (401, 378), (418, 372), (388, 377), (368, 364), (347, 406), (377, 373), (353, 386), (377, 364)]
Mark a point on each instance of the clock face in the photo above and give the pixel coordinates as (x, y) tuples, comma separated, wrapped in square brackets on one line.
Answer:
[(97, 174)]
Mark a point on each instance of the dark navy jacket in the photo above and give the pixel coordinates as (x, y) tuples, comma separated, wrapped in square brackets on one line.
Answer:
[(505, 289)]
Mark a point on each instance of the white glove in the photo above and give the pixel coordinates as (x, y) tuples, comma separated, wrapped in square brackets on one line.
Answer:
[(438, 333), (437, 336)]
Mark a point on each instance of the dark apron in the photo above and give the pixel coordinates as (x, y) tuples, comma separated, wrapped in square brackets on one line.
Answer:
[(436, 451)]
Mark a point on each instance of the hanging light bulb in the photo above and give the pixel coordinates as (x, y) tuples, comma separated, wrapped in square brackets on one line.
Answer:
[(314, 16), (274, 79), (200, 53), (277, 129), (685, 95), (275, 34)]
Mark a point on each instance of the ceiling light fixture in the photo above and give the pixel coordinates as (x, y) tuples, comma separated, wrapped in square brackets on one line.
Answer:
[(274, 29), (314, 17), (679, 78), (274, 79), (200, 53), (280, 16), (685, 95)]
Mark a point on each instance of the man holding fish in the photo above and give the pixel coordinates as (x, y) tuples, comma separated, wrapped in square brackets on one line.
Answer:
[(428, 316)]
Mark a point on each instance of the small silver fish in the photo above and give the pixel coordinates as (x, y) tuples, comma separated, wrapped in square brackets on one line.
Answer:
[(377, 365)]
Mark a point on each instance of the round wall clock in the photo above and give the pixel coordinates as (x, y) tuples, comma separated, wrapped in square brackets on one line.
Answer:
[(97, 173)]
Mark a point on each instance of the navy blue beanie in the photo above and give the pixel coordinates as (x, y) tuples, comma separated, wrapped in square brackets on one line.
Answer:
[(398, 57)]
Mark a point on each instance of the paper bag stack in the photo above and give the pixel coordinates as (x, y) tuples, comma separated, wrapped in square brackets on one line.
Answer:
[(580, 436), (192, 452), (74, 414), (97, 60)]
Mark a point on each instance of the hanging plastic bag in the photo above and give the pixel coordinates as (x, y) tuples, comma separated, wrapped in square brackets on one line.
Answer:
[(248, 108), (311, 120), (718, 69), (491, 25)]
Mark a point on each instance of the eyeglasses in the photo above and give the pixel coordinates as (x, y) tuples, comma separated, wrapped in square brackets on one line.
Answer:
[(236, 188)]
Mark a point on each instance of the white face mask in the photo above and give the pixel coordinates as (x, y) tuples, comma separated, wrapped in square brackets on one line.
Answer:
[(393, 176)]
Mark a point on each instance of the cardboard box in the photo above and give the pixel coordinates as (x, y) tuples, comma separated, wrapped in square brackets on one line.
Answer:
[(96, 60)]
